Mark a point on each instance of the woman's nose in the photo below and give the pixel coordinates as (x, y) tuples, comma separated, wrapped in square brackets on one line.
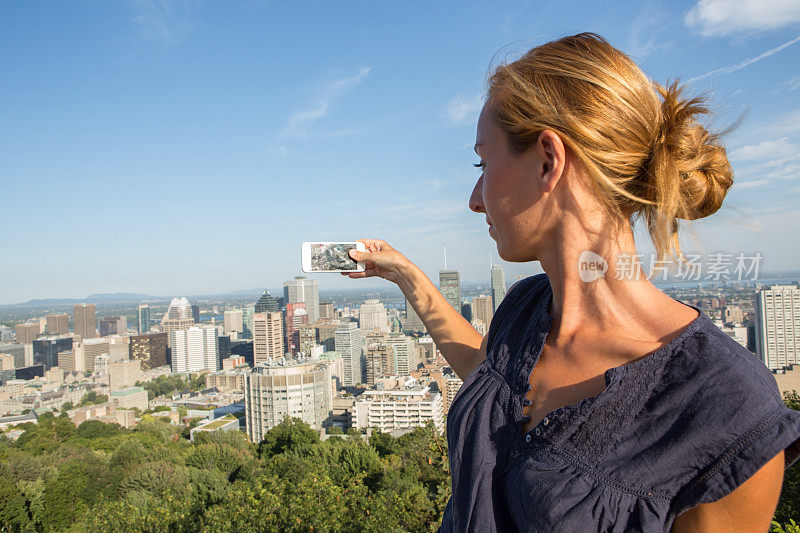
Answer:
[(476, 199)]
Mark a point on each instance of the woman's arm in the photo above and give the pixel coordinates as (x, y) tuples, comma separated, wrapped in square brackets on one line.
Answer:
[(749, 507), (461, 345)]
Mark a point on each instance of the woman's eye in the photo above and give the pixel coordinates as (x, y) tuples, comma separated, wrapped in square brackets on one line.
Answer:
[(479, 165)]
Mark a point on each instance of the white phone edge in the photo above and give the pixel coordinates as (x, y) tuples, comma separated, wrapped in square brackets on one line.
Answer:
[(306, 256)]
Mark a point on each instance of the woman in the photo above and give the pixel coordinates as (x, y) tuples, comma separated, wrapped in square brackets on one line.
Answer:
[(597, 405)]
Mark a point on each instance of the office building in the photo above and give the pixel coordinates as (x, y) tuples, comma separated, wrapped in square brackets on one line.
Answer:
[(290, 388), (195, 313), (150, 349), (303, 290), (348, 345), (57, 324), (450, 287), (778, 326), (233, 321), (27, 332), (177, 318), (326, 311), (113, 325), (404, 408), (84, 322), (143, 325), (122, 374), (498, 285), (412, 321), (326, 334), (406, 354), (482, 309), (372, 317), (267, 336), (247, 321), (22, 353), (308, 339), (267, 304), (195, 349), (46, 350)]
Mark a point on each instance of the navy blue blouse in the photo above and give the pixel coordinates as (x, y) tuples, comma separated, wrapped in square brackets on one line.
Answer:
[(685, 425)]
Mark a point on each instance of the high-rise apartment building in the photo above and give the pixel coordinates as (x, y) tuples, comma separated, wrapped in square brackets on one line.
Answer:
[(372, 317), (778, 326), (303, 290), (267, 304), (348, 345), (449, 385), (233, 321), (498, 285), (57, 324), (392, 409), (144, 319), (482, 309), (83, 321), (450, 287), (195, 349), (289, 388), (380, 360), (150, 349), (267, 336), (27, 332), (406, 354)]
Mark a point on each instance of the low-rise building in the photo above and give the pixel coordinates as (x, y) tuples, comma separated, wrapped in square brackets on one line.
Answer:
[(130, 398), (225, 423), (392, 409)]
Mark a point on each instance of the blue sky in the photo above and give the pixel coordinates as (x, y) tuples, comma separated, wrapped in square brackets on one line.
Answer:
[(190, 147)]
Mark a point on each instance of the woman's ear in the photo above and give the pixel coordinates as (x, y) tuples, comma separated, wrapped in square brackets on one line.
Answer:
[(552, 156)]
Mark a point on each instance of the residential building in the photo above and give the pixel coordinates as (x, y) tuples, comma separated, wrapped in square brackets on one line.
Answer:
[(380, 360), (295, 389), (303, 290), (406, 354), (267, 336), (57, 324), (732, 314), (482, 309), (194, 349), (348, 344), (408, 407), (84, 322), (449, 385), (778, 326), (122, 374)]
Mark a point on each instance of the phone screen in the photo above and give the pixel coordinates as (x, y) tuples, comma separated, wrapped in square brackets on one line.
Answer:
[(334, 256)]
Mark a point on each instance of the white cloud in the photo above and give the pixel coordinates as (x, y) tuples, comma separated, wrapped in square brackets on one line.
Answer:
[(463, 110), (750, 184), (163, 20), (791, 85), (642, 40), (771, 153), (746, 62), (714, 18), (298, 123)]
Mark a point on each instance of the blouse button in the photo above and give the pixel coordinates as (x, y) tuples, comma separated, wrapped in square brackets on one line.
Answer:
[(527, 438), (526, 401), (545, 421), (537, 431)]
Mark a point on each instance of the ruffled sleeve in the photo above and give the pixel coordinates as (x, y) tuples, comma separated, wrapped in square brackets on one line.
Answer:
[(738, 422)]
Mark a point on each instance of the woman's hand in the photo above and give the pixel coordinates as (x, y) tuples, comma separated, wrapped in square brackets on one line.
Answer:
[(380, 260)]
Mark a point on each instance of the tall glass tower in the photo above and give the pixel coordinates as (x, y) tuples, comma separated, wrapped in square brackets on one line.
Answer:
[(144, 319), (450, 286), (498, 285)]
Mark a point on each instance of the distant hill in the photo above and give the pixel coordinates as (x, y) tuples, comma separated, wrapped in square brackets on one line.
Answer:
[(92, 298)]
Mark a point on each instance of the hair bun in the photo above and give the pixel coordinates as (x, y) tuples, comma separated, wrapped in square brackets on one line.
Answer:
[(687, 155)]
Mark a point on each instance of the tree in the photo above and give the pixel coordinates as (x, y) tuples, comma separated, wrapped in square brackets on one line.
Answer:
[(290, 434), (13, 507)]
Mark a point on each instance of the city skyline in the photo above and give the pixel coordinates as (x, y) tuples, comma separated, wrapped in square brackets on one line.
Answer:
[(111, 107)]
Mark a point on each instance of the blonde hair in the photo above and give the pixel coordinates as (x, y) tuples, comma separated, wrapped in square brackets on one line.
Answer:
[(640, 141)]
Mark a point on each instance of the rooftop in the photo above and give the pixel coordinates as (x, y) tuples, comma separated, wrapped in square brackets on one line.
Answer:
[(127, 392)]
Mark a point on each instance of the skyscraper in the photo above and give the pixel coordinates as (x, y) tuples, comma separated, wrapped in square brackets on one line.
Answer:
[(267, 336), (450, 287), (233, 321), (303, 290), (27, 332), (195, 349), (372, 317), (498, 285), (144, 319), (348, 345), (177, 318), (413, 322), (196, 313), (113, 325), (778, 326), (247, 321), (326, 310), (58, 324), (406, 354), (84, 322), (482, 309), (267, 304), (296, 316), (150, 349)]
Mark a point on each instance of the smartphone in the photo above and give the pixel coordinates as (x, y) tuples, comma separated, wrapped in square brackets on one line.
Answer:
[(331, 257)]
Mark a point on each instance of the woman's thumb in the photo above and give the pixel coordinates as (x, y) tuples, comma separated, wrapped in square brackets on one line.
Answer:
[(359, 256)]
